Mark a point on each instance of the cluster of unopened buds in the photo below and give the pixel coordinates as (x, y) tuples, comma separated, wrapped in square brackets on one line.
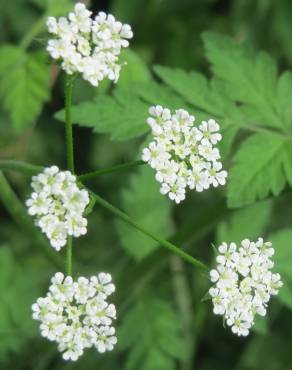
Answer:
[(58, 205), (88, 46), (182, 154), (77, 315), (244, 283)]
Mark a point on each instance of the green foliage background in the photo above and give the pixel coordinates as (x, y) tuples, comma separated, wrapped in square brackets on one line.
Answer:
[(230, 60)]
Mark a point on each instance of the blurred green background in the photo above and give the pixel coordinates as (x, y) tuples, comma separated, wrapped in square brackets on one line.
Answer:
[(162, 322)]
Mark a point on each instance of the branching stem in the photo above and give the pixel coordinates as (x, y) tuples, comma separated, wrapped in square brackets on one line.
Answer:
[(164, 243), (117, 168)]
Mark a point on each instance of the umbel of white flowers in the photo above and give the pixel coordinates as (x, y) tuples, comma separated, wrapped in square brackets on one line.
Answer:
[(88, 46), (77, 315), (182, 154), (58, 205), (244, 283)]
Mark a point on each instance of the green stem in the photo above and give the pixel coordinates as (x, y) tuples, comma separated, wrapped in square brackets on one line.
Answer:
[(69, 155), (69, 256), (68, 123), (37, 28), (164, 243), (19, 166), (15, 208), (103, 171)]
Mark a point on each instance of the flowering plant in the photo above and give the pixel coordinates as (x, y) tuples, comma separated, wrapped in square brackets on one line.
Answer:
[(188, 148), (243, 283), (88, 46), (76, 314), (183, 154), (58, 205)]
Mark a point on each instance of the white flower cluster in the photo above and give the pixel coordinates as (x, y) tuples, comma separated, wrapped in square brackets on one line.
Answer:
[(58, 205), (76, 315), (244, 283), (88, 46), (183, 155)]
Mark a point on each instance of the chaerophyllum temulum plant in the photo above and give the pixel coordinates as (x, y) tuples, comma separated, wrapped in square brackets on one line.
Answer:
[(184, 156)]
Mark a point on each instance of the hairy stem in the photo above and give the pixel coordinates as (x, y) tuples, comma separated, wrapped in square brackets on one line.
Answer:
[(17, 211), (164, 243), (70, 156), (117, 168)]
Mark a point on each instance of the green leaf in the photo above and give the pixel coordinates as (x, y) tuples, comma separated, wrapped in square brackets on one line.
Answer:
[(143, 202), (248, 222), (122, 115), (18, 292), (192, 86), (135, 70), (284, 96), (24, 84), (161, 343), (282, 242), (261, 166), (207, 98), (154, 94), (251, 79)]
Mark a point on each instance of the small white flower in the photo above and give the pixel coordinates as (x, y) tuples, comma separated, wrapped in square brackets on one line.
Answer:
[(216, 176), (209, 131), (76, 315), (58, 205), (57, 234), (219, 301), (155, 155), (207, 151), (183, 155), (38, 204), (240, 324), (103, 283), (52, 25), (168, 173), (88, 46), (199, 179), (243, 283), (226, 254), (80, 19), (106, 339)]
